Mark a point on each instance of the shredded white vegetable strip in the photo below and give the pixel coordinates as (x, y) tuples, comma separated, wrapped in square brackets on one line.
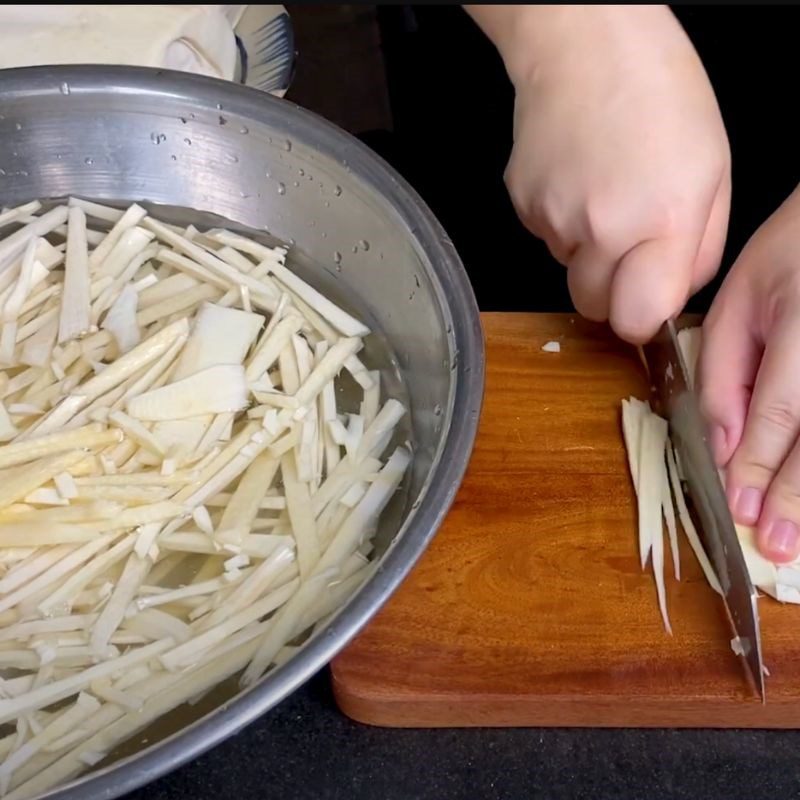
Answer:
[(658, 485), (174, 508), (75, 297)]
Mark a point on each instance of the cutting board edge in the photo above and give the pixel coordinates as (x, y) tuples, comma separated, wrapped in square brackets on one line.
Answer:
[(379, 710)]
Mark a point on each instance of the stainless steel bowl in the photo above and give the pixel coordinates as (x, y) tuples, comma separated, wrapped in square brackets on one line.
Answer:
[(182, 141)]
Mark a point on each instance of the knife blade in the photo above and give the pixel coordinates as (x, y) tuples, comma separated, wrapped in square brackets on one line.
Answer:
[(677, 403)]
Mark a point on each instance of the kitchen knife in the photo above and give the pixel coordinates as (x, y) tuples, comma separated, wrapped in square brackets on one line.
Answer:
[(676, 401)]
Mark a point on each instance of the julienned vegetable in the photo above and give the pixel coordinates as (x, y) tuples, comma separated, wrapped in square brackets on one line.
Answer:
[(182, 498), (656, 478)]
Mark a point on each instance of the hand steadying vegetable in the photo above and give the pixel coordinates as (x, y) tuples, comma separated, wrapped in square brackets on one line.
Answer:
[(750, 382), (620, 161)]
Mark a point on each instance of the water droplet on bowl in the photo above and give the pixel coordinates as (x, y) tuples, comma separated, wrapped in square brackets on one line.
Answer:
[(18, 126), (173, 158), (2, 172), (437, 410), (188, 142), (88, 161), (281, 188), (337, 191), (183, 120), (296, 184), (288, 145), (158, 138), (244, 130), (222, 120), (337, 258), (231, 158), (64, 88), (364, 245), (267, 174), (301, 172), (327, 204), (219, 106)]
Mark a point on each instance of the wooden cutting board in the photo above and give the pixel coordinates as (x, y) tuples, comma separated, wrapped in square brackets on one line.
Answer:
[(529, 608)]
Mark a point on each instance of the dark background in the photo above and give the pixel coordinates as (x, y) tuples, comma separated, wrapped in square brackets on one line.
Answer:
[(443, 118), (422, 87)]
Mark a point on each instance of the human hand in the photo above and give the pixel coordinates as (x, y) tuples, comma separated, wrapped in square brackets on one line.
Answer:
[(620, 161), (750, 382)]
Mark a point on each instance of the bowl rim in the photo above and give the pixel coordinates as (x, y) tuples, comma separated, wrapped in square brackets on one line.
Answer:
[(461, 420)]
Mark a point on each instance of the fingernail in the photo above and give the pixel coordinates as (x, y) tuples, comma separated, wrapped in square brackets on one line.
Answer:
[(746, 504), (783, 541), (719, 444)]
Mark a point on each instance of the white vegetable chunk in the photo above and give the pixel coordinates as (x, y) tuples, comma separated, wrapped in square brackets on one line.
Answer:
[(215, 390), (120, 321)]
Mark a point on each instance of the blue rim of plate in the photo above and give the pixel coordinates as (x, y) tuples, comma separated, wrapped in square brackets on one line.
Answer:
[(267, 55)]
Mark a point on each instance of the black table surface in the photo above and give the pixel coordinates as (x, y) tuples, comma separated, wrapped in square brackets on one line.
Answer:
[(452, 146)]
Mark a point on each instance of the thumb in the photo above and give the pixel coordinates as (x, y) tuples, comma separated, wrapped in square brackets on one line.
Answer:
[(650, 285)]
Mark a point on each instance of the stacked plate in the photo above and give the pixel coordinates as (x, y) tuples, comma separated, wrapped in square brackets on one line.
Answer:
[(265, 39)]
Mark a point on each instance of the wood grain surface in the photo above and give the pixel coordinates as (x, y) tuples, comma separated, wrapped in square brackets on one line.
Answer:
[(529, 608)]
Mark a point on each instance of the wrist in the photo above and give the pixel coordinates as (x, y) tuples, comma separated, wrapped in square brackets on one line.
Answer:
[(531, 38)]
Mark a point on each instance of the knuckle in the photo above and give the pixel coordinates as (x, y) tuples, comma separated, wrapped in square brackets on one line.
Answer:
[(554, 208), (712, 403), (525, 200), (599, 222), (666, 216), (747, 470), (561, 251), (786, 490), (614, 224), (777, 415), (515, 192)]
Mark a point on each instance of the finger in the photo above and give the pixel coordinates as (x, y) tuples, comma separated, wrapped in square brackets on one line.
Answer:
[(772, 424), (712, 244), (729, 357), (589, 276), (779, 525), (532, 211), (650, 285)]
